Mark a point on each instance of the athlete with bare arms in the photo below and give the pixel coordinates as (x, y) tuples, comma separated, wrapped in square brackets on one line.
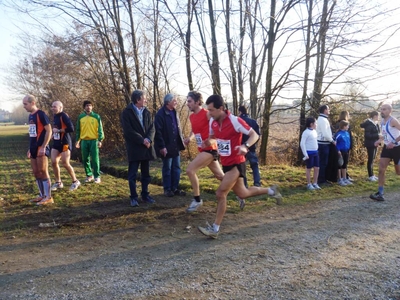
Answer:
[(227, 129)]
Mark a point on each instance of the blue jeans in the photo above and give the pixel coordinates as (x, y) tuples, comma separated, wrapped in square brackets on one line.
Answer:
[(253, 160), (171, 173), (323, 152), (144, 177)]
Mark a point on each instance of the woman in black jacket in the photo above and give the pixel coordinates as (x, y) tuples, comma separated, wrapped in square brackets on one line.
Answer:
[(371, 135)]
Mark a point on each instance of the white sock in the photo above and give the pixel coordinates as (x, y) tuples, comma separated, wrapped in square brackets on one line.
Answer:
[(216, 227)]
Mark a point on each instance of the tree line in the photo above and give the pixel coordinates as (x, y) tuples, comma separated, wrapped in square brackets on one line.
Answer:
[(273, 56)]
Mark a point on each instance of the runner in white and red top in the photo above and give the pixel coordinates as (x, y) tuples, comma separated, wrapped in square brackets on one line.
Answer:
[(227, 130), (390, 129)]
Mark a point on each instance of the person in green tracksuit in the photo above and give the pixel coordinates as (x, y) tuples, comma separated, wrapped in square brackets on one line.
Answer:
[(89, 136)]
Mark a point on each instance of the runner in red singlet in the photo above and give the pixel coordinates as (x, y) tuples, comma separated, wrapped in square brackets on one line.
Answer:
[(227, 129)]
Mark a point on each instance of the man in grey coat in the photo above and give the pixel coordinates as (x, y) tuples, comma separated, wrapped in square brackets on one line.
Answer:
[(139, 130)]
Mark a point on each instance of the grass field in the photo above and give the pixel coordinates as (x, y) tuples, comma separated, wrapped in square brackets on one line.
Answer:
[(105, 207)]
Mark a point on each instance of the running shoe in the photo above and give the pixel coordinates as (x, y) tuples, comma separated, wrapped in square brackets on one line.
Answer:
[(37, 199), (277, 195), (208, 231), (89, 179), (74, 185), (56, 186), (242, 202), (194, 206), (47, 200), (97, 180), (372, 178), (377, 197)]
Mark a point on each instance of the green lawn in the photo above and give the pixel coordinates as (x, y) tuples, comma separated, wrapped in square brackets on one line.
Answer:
[(105, 207)]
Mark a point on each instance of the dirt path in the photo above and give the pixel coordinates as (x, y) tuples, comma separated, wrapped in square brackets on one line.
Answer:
[(340, 249)]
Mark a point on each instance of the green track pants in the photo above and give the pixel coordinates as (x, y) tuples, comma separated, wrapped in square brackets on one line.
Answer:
[(90, 157)]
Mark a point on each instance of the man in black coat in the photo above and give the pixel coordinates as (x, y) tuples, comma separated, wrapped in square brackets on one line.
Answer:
[(251, 155), (168, 144), (139, 131)]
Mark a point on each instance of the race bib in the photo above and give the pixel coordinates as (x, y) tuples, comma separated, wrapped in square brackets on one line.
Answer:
[(32, 130), (199, 140), (224, 147), (56, 136)]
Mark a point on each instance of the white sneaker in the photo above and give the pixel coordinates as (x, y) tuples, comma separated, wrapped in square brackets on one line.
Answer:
[(372, 178), (348, 182), (74, 185), (341, 182), (89, 179), (97, 180), (208, 231), (376, 178), (316, 186), (56, 186), (277, 195), (194, 206), (310, 187)]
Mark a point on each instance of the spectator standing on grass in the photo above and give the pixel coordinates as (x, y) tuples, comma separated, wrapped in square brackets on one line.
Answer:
[(138, 128), (390, 129), (251, 155), (39, 138), (343, 144), (325, 139), (309, 147), (227, 129), (62, 146), (371, 135), (89, 136), (168, 144), (345, 116)]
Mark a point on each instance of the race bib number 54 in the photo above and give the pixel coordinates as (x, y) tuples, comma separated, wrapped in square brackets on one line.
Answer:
[(224, 147)]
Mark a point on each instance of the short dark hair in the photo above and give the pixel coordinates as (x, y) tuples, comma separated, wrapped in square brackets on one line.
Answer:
[(217, 100), (86, 102), (373, 114), (196, 96), (309, 121), (243, 109), (322, 108), (343, 124), (136, 95)]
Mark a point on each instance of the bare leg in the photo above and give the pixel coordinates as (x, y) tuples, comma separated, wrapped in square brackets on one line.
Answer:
[(202, 160), (227, 183), (308, 177), (65, 159), (55, 158), (383, 164), (316, 173)]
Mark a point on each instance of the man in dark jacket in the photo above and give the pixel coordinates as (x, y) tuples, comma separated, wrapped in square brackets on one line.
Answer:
[(168, 144), (139, 131), (371, 135), (251, 155)]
